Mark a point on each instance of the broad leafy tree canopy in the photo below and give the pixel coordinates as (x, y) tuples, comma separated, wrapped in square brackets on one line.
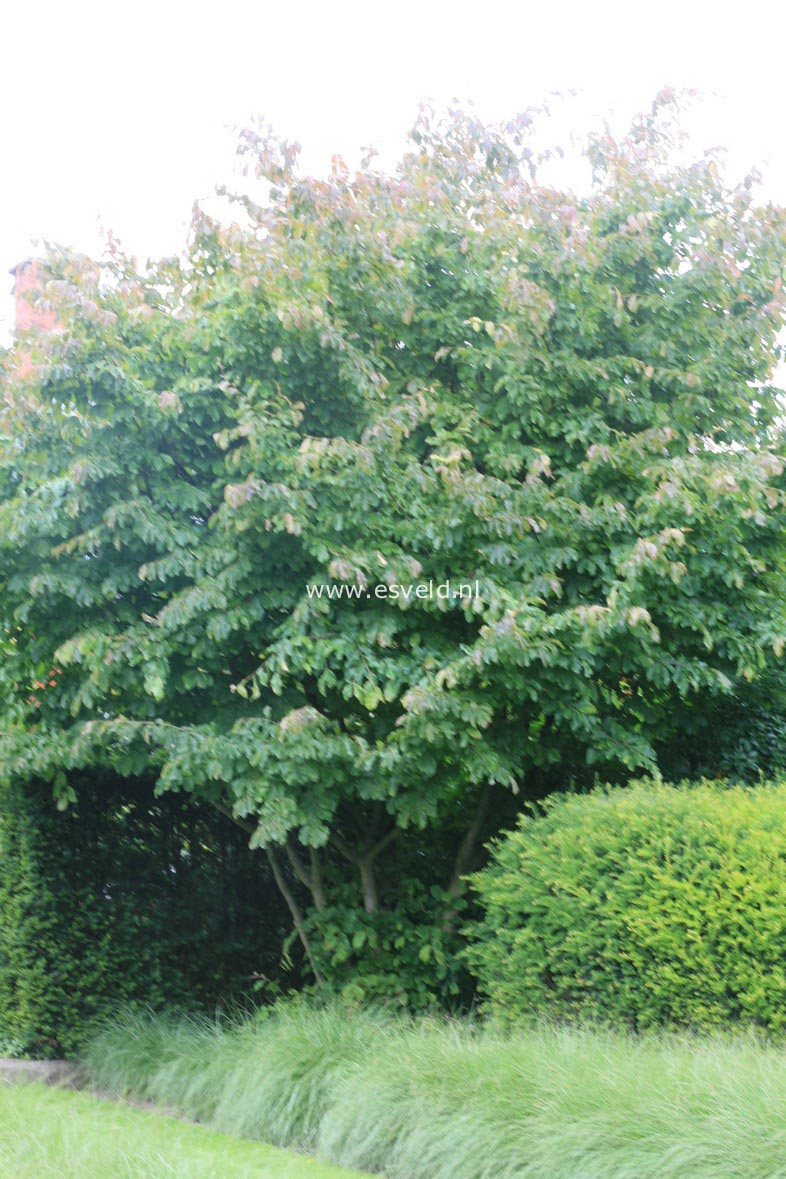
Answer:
[(452, 373)]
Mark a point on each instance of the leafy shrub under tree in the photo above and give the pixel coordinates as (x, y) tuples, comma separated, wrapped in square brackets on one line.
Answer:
[(651, 905)]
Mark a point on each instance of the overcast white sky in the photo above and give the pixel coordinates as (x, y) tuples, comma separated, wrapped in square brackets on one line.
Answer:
[(117, 116)]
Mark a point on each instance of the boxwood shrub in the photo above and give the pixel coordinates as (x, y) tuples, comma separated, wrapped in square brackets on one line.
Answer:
[(648, 905)]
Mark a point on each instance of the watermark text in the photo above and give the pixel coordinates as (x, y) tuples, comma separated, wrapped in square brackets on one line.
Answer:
[(445, 591)]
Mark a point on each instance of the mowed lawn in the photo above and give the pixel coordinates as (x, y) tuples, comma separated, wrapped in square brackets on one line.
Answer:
[(48, 1132)]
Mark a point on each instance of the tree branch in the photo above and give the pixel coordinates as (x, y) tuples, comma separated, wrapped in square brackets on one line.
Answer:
[(382, 843), (283, 888), (294, 909), (465, 855), (346, 849), (353, 855), (298, 867), (467, 846), (317, 882), (244, 824)]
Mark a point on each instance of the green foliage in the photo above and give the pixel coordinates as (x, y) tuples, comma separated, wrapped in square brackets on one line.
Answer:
[(649, 905), (454, 372), (122, 897), (432, 1099), (401, 955), (741, 738), (47, 1133)]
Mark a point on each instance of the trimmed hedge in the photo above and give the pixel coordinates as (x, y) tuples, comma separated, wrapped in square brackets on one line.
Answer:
[(123, 897), (650, 905)]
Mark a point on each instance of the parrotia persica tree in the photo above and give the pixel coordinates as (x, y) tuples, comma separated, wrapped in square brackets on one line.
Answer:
[(454, 373)]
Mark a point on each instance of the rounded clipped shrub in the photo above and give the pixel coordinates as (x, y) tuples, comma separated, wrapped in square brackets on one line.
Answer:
[(648, 905)]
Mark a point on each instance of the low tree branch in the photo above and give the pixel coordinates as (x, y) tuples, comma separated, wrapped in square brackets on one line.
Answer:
[(467, 846), (286, 892), (317, 881), (465, 855), (227, 812), (298, 867), (382, 843), (294, 909), (346, 849)]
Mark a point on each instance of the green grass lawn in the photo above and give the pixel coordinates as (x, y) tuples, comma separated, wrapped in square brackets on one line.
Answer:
[(54, 1132)]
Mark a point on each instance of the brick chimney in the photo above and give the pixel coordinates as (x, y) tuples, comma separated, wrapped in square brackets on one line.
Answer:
[(27, 287), (30, 315)]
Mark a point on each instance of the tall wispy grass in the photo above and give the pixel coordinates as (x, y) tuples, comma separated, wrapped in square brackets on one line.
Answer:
[(434, 1099)]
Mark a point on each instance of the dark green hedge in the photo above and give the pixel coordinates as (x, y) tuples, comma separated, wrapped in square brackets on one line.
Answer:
[(123, 897), (646, 906)]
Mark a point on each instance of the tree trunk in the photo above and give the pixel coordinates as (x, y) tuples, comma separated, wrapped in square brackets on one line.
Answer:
[(368, 884)]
